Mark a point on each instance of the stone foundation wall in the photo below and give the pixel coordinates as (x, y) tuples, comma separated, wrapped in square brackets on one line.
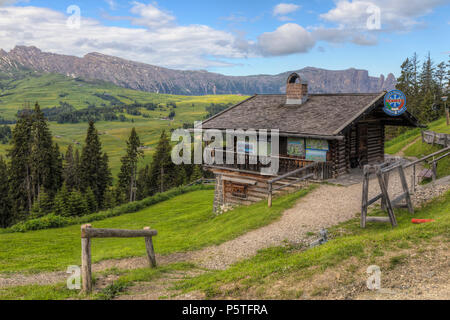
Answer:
[(218, 193)]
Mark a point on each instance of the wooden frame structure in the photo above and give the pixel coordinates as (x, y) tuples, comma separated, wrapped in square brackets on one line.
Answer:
[(87, 232), (382, 171)]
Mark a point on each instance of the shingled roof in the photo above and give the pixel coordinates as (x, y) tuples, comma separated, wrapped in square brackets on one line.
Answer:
[(322, 114)]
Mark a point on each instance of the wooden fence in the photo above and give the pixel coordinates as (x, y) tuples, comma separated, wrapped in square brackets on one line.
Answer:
[(433, 138), (87, 232), (307, 174)]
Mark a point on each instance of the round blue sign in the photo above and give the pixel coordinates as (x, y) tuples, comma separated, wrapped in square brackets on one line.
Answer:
[(395, 103)]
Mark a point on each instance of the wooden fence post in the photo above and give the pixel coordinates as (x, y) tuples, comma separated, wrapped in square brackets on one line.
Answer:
[(365, 196), (386, 181), (86, 259), (269, 201), (434, 171), (150, 250), (413, 180), (405, 189)]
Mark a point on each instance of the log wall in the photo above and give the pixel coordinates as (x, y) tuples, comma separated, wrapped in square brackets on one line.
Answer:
[(239, 188), (375, 143), (340, 157)]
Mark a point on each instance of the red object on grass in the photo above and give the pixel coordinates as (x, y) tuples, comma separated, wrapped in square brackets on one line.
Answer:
[(418, 221)]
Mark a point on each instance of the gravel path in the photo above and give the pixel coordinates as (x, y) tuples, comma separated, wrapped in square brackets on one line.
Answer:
[(324, 207)]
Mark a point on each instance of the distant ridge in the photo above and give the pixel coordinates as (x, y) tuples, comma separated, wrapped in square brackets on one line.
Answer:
[(146, 77)]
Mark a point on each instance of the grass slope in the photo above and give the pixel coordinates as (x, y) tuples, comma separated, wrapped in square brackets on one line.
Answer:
[(184, 223), (50, 89), (420, 149), (274, 265)]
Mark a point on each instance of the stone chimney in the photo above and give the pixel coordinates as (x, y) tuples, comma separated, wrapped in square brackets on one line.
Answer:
[(296, 90)]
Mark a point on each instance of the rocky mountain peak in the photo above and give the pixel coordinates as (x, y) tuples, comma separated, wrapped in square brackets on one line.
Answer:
[(145, 77)]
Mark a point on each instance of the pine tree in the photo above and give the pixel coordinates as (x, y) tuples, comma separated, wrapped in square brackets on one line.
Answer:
[(196, 173), (180, 177), (43, 205), (77, 204), (405, 81), (94, 170), (441, 73), (20, 171), (128, 170), (415, 73), (90, 200), (143, 183), (6, 216), (57, 169), (162, 172), (70, 172), (426, 77), (110, 200), (43, 159), (448, 76), (61, 202), (77, 163)]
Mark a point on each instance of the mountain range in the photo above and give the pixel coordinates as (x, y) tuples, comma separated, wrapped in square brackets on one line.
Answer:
[(150, 78)]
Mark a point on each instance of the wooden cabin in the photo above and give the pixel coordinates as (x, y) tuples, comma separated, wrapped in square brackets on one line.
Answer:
[(335, 132)]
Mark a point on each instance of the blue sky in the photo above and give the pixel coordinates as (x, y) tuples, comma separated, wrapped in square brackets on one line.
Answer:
[(237, 37)]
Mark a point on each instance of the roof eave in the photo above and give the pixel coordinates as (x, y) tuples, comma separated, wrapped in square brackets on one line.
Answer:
[(368, 108)]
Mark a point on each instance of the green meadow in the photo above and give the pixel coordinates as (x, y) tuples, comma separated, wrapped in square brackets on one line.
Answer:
[(51, 89), (184, 223), (412, 145)]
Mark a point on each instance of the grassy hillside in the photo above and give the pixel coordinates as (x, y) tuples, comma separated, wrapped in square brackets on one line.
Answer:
[(295, 271), (410, 143), (289, 268), (184, 223), (51, 89)]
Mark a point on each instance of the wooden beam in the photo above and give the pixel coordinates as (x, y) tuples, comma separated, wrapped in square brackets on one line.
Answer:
[(117, 233), (239, 180), (373, 200)]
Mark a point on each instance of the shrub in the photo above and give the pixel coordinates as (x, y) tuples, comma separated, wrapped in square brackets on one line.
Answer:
[(46, 222)]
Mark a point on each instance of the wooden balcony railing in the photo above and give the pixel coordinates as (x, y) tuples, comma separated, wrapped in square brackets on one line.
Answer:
[(253, 163)]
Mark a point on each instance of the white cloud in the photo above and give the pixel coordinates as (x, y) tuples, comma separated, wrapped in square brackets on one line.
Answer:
[(6, 2), (284, 9), (399, 15), (150, 15), (158, 39), (112, 4), (336, 36), (355, 19), (287, 39), (183, 47)]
